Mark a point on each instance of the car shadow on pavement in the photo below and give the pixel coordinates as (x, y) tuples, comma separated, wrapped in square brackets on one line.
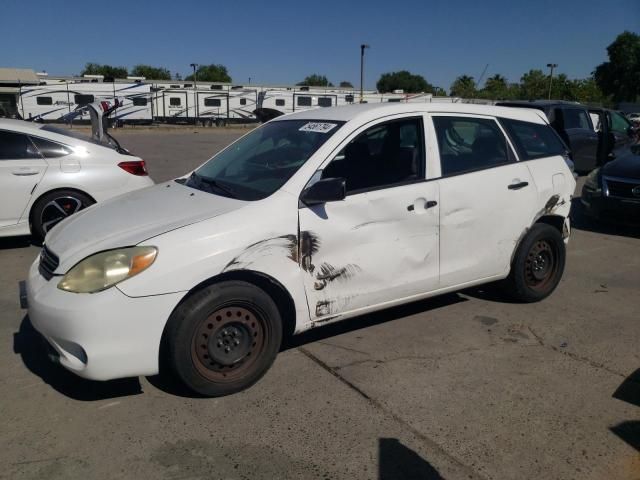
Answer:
[(30, 345), (168, 384), (581, 221), (24, 241), (629, 391), (370, 319), (399, 462)]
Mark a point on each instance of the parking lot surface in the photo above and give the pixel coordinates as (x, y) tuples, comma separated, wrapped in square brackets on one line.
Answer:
[(464, 386)]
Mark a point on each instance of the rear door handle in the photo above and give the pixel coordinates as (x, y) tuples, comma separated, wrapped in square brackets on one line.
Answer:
[(517, 186), (24, 173)]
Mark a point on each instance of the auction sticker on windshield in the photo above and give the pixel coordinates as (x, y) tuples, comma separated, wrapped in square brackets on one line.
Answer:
[(318, 127)]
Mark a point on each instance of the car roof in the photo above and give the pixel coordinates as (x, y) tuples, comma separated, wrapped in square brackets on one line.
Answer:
[(370, 111), (19, 125), (538, 103)]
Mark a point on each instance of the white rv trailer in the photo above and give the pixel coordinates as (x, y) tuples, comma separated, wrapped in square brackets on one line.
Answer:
[(57, 101), (273, 102), (215, 104)]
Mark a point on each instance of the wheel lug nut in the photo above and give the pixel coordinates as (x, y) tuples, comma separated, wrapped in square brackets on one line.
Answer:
[(219, 343), (227, 349), (237, 342)]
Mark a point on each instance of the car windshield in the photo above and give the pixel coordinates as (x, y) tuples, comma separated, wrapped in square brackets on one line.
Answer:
[(261, 162)]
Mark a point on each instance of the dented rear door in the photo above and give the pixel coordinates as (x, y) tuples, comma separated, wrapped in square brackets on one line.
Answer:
[(487, 198), (378, 245)]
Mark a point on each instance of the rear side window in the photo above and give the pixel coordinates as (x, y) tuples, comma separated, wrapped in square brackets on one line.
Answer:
[(618, 123), (50, 149), (44, 100), (279, 102), (83, 99), (533, 140), (139, 101), (212, 102), (16, 146), (324, 102), (467, 144), (575, 118), (175, 102), (243, 101)]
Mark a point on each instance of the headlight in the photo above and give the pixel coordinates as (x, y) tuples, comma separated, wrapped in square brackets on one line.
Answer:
[(592, 181), (103, 270)]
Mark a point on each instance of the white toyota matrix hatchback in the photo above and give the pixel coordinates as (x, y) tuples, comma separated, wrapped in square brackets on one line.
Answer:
[(312, 218)]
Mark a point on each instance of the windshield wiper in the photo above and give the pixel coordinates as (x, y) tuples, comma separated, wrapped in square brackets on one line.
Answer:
[(210, 182)]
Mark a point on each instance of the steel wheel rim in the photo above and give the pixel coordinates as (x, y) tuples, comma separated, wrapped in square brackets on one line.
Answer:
[(236, 327), (541, 265), (57, 210)]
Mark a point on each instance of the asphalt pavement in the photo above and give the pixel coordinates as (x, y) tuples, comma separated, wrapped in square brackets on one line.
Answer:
[(463, 386)]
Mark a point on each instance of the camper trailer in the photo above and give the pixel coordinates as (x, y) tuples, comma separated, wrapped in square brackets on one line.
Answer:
[(215, 104), (56, 102)]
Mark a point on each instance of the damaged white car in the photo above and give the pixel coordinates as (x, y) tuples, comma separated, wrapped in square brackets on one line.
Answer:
[(314, 217)]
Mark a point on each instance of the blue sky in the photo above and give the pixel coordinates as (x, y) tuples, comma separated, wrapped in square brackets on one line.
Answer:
[(276, 42)]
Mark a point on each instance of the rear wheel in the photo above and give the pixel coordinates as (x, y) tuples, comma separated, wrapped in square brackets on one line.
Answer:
[(538, 264), (54, 207), (224, 338)]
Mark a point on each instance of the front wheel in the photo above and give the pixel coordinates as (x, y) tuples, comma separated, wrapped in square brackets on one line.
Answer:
[(223, 338), (538, 264)]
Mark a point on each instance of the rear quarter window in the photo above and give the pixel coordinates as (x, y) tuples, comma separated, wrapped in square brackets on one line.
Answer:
[(533, 140)]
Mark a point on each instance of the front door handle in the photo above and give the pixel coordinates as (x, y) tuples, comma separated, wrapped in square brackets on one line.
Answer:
[(427, 204), (517, 186)]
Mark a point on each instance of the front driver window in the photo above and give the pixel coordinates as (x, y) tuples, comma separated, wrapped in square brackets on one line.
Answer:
[(385, 155)]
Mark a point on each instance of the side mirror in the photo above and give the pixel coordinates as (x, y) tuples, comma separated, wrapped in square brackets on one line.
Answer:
[(325, 190)]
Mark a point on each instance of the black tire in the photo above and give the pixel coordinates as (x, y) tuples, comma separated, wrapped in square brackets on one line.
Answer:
[(537, 266), (223, 338), (53, 207)]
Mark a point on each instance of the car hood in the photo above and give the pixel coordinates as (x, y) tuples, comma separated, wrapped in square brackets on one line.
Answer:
[(132, 218), (625, 166)]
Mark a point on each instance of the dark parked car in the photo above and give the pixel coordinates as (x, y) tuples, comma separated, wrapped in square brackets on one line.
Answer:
[(612, 192), (594, 135)]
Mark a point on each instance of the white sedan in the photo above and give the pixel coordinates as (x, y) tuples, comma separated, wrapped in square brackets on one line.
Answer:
[(314, 217), (48, 173)]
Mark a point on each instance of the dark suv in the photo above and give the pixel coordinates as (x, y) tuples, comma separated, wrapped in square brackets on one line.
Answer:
[(594, 135)]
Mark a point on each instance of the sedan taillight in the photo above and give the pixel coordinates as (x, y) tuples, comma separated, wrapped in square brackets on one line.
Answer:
[(135, 168)]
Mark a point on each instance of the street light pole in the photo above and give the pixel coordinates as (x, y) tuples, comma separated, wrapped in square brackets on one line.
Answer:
[(195, 88), (551, 66), (362, 47)]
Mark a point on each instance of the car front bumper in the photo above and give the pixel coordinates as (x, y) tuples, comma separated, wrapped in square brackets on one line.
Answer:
[(99, 336), (603, 207)]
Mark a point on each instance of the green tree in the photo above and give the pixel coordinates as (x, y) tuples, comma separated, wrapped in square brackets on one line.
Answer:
[(587, 91), (439, 92), (315, 80), (495, 88), (534, 85), (211, 73), (562, 88), (151, 73), (105, 70), (345, 84), (403, 80), (464, 86), (620, 76)]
